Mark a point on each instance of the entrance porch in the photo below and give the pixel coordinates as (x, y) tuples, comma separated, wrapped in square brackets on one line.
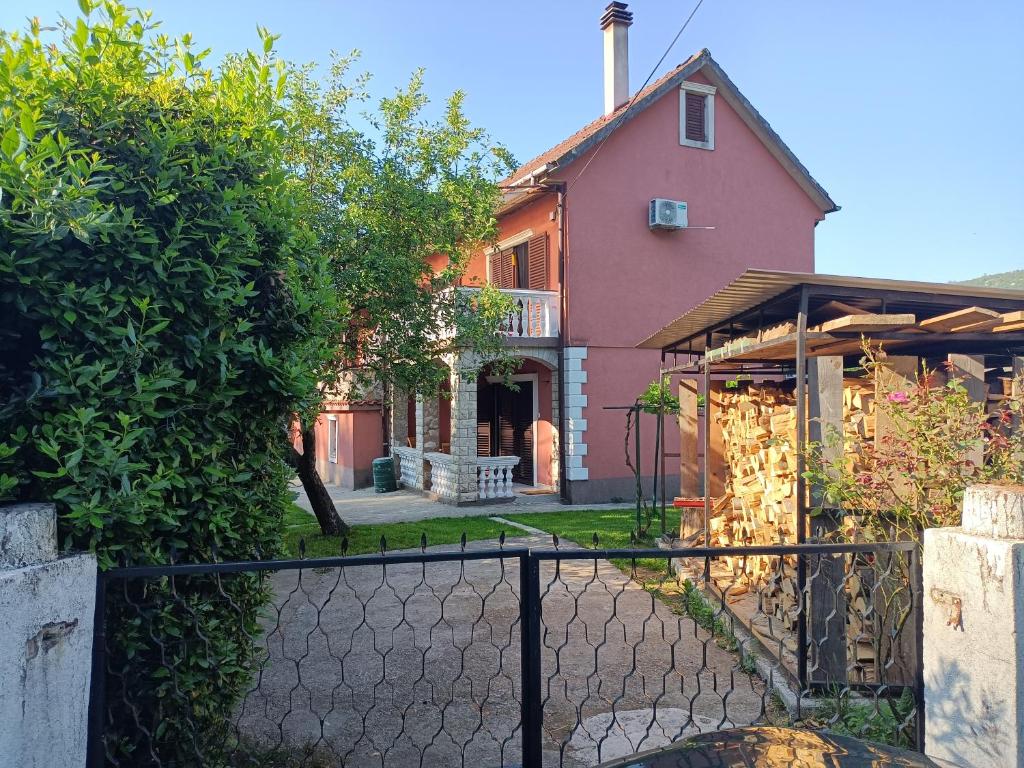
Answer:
[(481, 441)]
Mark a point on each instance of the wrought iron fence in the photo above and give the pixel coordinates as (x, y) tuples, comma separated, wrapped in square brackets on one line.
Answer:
[(498, 656)]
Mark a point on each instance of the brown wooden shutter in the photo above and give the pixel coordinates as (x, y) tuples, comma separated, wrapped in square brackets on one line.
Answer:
[(695, 106), (483, 438), (501, 269), (537, 270)]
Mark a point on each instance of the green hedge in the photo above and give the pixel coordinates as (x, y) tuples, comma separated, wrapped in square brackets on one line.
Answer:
[(156, 301)]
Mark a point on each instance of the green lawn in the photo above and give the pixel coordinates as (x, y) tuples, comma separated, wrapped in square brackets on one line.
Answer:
[(612, 527), (365, 539)]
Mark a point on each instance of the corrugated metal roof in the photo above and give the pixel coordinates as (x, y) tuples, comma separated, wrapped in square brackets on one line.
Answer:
[(756, 286)]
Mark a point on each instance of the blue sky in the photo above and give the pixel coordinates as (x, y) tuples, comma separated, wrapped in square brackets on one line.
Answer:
[(909, 113)]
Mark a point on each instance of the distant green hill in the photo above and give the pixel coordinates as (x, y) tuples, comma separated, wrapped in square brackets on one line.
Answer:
[(1013, 279)]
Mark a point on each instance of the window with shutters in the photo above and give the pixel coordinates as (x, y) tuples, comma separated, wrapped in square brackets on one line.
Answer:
[(697, 115), (521, 266)]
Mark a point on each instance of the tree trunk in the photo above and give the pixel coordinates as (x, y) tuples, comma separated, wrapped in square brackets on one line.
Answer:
[(320, 500)]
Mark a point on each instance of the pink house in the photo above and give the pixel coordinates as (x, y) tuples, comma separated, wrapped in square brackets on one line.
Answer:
[(597, 265)]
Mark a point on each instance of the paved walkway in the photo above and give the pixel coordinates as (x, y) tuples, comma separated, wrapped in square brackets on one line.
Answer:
[(419, 664), (367, 507)]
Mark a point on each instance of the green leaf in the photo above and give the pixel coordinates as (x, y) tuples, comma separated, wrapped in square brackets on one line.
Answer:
[(10, 142)]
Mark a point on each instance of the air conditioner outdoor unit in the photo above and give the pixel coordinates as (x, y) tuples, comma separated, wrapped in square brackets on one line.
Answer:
[(667, 214)]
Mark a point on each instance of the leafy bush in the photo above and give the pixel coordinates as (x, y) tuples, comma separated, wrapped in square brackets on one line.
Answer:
[(157, 305), (915, 476)]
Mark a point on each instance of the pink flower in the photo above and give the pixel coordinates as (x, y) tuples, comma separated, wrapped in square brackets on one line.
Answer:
[(898, 397)]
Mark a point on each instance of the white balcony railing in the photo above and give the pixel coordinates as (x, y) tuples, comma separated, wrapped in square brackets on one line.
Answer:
[(494, 476), (409, 466), (535, 314), (442, 475)]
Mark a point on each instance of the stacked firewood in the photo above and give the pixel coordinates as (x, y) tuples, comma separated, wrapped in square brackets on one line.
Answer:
[(758, 427)]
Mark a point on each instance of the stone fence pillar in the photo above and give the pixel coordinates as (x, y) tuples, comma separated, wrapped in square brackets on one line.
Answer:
[(46, 611), (464, 415), (974, 632)]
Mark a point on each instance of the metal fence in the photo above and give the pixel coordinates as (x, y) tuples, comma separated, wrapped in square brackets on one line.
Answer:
[(496, 656)]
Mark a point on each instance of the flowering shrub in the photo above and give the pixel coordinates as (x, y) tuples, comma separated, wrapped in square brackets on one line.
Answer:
[(914, 476)]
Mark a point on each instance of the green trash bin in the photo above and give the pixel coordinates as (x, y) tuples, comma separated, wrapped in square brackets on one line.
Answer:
[(384, 475)]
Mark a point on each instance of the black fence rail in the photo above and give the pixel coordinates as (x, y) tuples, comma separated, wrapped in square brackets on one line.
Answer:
[(499, 656), (640, 648)]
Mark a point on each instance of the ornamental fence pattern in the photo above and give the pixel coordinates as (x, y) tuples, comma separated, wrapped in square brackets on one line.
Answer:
[(490, 655)]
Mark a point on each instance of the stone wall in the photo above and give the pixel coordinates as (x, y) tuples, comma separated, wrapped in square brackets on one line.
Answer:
[(46, 606)]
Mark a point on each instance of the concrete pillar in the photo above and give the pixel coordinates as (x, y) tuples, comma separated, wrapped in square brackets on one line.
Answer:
[(556, 468), (46, 607), (398, 420), (974, 632), (428, 435), (828, 599), (463, 445)]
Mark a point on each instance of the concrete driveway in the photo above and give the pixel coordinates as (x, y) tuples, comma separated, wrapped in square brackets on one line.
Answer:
[(419, 664)]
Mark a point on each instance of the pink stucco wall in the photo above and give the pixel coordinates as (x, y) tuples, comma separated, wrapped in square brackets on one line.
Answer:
[(624, 282), (359, 443), (537, 217)]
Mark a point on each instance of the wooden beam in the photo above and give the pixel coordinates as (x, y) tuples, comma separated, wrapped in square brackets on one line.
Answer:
[(840, 308), (867, 323), (960, 320)]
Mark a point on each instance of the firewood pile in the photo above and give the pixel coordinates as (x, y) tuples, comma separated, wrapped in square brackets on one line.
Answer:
[(758, 427)]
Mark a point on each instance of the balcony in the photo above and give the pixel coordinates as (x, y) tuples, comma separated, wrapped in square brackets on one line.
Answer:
[(535, 315)]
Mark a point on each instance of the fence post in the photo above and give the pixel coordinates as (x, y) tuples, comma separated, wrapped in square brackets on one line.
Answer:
[(532, 715), (974, 632), (46, 615), (96, 748), (917, 596)]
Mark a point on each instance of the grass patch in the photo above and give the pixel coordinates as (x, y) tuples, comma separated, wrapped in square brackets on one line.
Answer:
[(612, 526), (890, 723), (365, 539)]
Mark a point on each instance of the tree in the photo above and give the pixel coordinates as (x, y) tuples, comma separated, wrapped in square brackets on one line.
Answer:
[(397, 209), (161, 306)]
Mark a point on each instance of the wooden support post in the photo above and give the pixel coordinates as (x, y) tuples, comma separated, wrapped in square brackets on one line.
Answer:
[(828, 597), (691, 520), (714, 458), (971, 370), (1018, 374), (689, 471)]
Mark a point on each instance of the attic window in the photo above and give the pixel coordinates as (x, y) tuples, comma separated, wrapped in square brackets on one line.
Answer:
[(697, 115)]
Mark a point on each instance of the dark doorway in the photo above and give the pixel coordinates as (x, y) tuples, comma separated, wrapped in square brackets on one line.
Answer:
[(504, 425)]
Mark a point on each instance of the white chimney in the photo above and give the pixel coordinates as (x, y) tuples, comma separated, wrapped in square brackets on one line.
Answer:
[(616, 22)]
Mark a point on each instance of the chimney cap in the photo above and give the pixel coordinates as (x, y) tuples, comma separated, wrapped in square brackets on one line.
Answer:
[(616, 13)]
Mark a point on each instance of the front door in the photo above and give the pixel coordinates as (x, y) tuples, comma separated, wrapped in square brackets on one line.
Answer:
[(505, 425)]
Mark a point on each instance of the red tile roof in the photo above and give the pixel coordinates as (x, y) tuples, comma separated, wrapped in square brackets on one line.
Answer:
[(562, 148), (581, 141)]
